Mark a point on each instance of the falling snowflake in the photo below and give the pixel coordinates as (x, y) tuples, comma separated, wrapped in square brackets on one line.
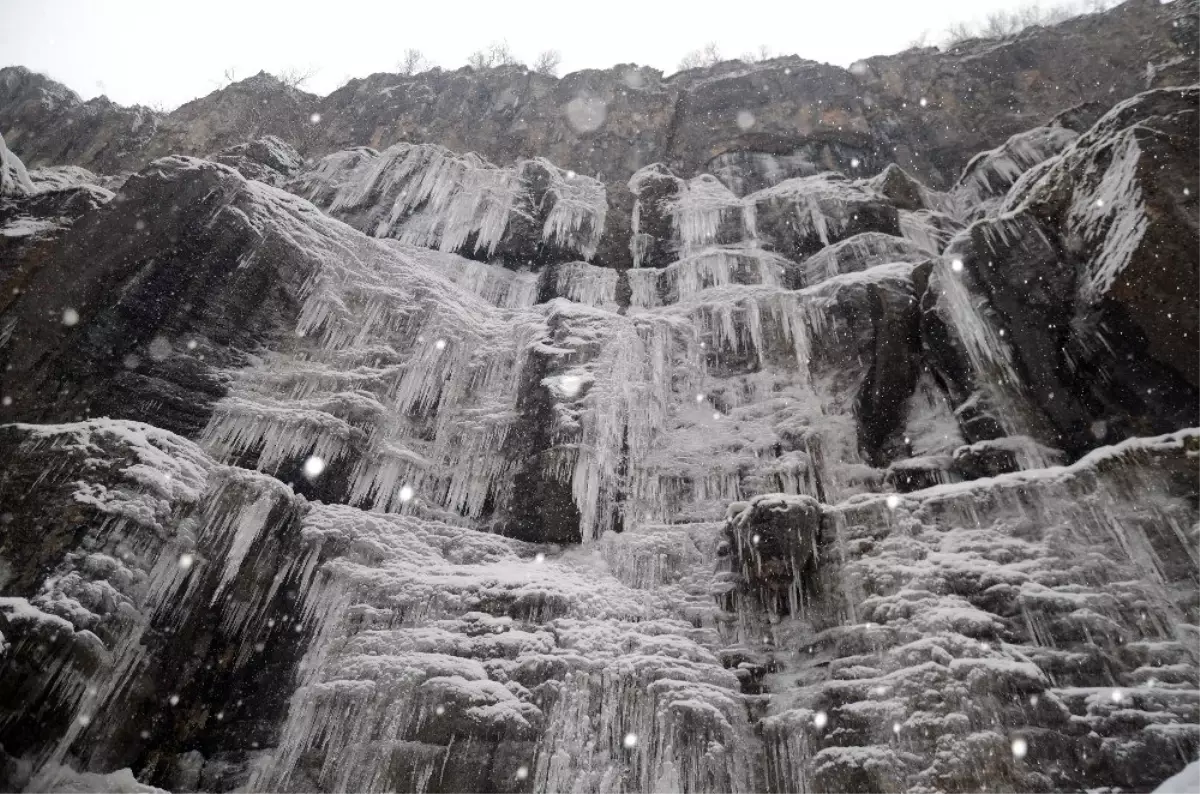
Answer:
[(570, 385), (539, 558), (821, 719), (699, 398), (70, 317), (956, 265), (159, 348), (440, 344), (745, 120), (586, 114), (406, 493), (173, 700), (893, 501), (522, 772), (630, 739), (1019, 747), (186, 561), (315, 118), (313, 467)]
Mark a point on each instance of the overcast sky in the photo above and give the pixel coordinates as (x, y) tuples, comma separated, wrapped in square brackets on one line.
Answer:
[(171, 51)]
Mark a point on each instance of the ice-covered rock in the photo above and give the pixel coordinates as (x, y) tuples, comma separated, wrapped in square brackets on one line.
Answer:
[(988, 177), (810, 498), (14, 179), (427, 196), (1088, 259), (267, 159)]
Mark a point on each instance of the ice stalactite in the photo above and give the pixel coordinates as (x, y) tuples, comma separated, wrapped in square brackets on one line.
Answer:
[(587, 284), (576, 218), (990, 175), (930, 231), (1113, 213), (713, 266), (433, 639), (400, 371), (170, 529), (626, 406), (705, 212), (498, 285), (14, 179), (860, 252), (428, 196)]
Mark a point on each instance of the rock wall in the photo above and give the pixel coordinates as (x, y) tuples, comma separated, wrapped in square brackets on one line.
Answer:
[(363, 472), (927, 111)]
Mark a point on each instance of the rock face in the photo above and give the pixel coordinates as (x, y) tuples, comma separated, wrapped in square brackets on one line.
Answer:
[(927, 111), (363, 472)]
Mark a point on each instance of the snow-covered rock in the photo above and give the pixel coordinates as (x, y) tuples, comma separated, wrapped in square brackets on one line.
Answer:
[(422, 496)]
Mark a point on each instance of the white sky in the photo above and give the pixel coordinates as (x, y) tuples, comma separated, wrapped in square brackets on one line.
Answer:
[(171, 51)]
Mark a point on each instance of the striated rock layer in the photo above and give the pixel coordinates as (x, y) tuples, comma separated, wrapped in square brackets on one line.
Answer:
[(363, 473)]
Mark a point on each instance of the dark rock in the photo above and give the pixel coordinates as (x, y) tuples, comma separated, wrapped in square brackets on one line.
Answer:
[(774, 540), (1092, 274), (147, 335)]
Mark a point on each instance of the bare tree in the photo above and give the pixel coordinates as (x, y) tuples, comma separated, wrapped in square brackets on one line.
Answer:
[(763, 53), (227, 78), (707, 55), (413, 62), (502, 54), (958, 33), (294, 77), (547, 63), (1001, 24), (921, 41), (498, 53)]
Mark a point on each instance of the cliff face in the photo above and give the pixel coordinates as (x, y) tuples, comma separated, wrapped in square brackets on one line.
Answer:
[(927, 111), (498, 433)]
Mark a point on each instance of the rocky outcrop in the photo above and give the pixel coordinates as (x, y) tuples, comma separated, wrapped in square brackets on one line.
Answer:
[(266, 159), (1085, 263)]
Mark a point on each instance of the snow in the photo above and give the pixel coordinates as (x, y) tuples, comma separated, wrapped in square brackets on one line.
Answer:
[(27, 227), (1185, 782), (61, 779)]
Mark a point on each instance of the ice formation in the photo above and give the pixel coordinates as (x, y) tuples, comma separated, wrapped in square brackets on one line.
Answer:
[(14, 179), (478, 514), (427, 196)]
